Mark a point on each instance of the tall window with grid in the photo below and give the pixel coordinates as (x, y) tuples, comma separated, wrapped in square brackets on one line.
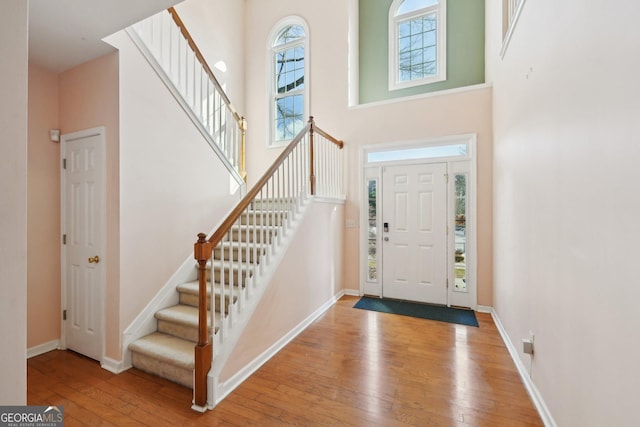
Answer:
[(417, 42), (289, 82)]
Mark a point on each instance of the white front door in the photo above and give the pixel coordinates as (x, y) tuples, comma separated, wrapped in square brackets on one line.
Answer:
[(83, 207), (414, 233)]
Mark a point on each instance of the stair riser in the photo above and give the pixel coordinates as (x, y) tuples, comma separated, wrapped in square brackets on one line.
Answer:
[(263, 219), (244, 235), (238, 278), (279, 204), (173, 373), (177, 330), (192, 300), (235, 254)]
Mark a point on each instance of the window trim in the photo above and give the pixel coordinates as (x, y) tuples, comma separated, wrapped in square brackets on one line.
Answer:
[(272, 92), (440, 9)]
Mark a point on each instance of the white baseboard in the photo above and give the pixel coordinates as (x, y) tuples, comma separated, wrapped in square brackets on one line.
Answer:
[(43, 348), (484, 309), (237, 379), (535, 395), (201, 409), (113, 366), (351, 292)]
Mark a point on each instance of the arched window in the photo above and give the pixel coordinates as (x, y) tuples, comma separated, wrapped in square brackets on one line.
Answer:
[(289, 77), (417, 42)]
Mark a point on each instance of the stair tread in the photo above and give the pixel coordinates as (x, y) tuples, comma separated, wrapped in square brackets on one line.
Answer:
[(183, 315), (193, 288), (235, 244), (262, 212), (166, 348), (251, 226)]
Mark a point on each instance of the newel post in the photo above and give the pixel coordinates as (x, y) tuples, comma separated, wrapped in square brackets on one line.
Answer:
[(203, 350), (312, 173), (243, 148)]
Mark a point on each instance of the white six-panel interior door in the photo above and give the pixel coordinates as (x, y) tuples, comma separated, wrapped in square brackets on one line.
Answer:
[(83, 273)]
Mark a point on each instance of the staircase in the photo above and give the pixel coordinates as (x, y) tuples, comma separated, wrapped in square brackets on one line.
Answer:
[(169, 352), (195, 338)]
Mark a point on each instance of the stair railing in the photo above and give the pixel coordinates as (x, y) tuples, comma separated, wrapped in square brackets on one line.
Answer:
[(168, 46), (310, 165)]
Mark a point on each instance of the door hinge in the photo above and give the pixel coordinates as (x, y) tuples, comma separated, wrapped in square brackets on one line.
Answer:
[(64, 239), (446, 177), (447, 286), (64, 163), (64, 314)]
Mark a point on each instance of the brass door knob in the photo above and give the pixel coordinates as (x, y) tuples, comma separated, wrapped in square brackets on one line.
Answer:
[(95, 259)]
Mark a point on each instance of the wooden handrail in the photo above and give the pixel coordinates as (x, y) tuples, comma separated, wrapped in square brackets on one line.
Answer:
[(240, 120), (224, 228), (314, 129), (205, 65), (337, 142)]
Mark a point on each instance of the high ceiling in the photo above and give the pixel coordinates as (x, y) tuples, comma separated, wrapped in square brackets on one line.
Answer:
[(66, 33)]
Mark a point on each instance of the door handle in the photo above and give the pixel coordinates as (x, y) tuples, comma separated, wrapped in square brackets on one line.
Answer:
[(95, 259)]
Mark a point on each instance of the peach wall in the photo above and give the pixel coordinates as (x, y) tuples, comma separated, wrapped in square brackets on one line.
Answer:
[(410, 119), (13, 209), (43, 210), (308, 277), (89, 98), (567, 203)]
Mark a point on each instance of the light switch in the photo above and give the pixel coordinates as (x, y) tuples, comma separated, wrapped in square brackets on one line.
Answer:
[(54, 135)]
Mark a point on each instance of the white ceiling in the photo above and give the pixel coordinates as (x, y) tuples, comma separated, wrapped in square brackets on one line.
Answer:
[(66, 33)]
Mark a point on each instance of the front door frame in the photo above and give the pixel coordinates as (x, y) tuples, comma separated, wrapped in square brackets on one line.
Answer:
[(465, 164), (101, 133)]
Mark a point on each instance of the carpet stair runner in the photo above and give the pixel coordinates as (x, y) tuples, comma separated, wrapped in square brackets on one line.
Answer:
[(169, 352)]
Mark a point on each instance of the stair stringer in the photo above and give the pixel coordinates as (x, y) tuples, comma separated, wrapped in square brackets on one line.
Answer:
[(223, 346), (146, 323), (218, 390)]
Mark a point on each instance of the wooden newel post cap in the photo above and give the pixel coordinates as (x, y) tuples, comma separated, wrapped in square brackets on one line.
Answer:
[(202, 248)]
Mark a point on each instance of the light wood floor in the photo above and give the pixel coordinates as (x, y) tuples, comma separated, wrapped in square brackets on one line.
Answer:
[(350, 367)]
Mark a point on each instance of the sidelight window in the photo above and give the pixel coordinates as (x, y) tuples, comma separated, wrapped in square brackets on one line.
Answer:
[(372, 235)]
